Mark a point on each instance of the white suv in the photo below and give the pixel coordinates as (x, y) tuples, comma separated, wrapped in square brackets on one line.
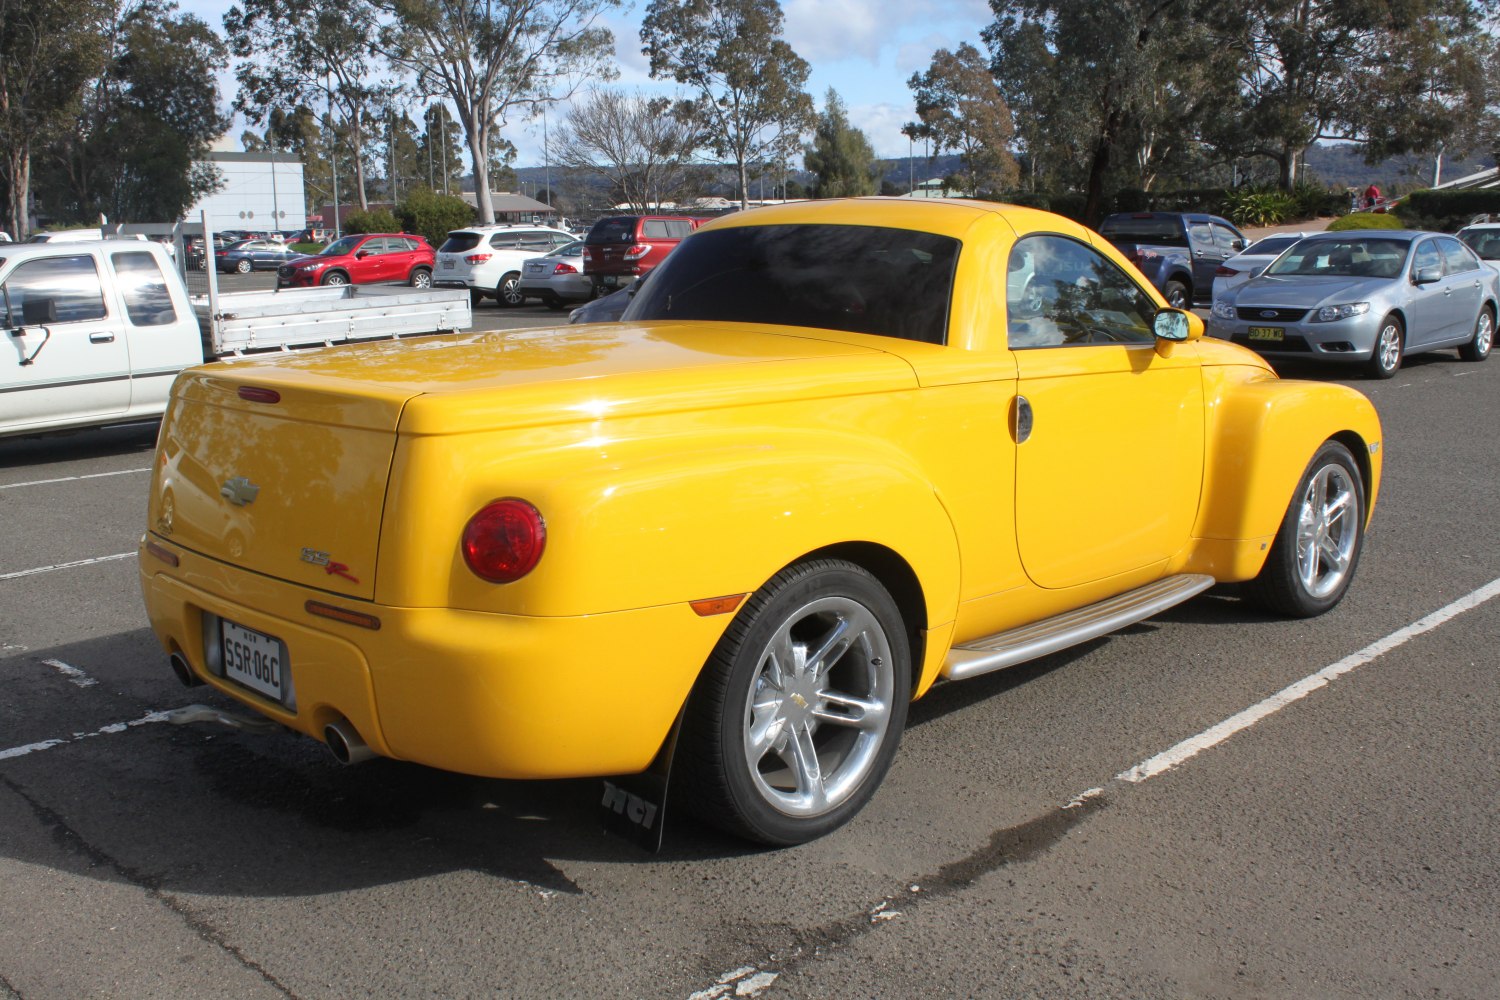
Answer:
[(487, 260)]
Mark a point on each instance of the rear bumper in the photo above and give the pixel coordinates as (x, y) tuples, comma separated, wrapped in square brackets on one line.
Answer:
[(494, 695)]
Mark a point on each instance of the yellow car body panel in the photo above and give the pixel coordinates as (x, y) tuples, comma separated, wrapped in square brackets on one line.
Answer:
[(674, 462)]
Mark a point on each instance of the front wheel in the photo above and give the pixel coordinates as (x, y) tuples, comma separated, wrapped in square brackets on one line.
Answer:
[(509, 291), (797, 715), (1389, 345), (1478, 348), (1317, 548), (1176, 294), (336, 278)]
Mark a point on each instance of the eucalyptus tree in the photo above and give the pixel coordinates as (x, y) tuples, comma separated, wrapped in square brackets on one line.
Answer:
[(632, 142), (491, 58), (746, 82), (959, 107), (840, 155), (305, 53), (49, 52)]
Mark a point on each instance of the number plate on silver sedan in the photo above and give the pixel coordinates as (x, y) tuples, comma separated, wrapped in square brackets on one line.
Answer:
[(1271, 333), (254, 660)]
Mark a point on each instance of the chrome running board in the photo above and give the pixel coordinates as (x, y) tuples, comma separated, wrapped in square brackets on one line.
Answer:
[(1028, 642)]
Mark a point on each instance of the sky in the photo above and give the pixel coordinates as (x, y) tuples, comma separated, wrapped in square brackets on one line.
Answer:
[(864, 49)]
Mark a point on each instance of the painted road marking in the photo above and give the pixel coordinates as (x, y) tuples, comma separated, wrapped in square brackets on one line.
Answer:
[(72, 673), (115, 727), (67, 565), (1186, 750), (73, 479)]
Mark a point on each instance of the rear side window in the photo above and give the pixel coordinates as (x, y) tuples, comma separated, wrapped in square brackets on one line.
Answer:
[(617, 229), (459, 242), (147, 301), (655, 229), (864, 279), (72, 283), (1162, 232), (1455, 256)]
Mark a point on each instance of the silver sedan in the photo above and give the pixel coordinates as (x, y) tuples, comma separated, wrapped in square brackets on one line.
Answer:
[(1367, 297)]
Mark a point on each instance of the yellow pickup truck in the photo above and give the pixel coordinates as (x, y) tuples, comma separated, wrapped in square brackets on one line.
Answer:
[(832, 454)]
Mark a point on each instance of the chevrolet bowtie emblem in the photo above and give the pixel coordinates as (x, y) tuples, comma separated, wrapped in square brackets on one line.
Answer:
[(239, 491)]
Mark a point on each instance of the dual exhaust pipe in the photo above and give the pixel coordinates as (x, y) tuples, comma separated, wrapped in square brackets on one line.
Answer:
[(341, 738)]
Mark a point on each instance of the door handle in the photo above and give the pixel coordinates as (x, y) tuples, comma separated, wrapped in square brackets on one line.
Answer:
[(101, 338), (1022, 420)]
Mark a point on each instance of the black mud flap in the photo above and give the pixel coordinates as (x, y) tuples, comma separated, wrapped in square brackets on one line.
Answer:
[(635, 805)]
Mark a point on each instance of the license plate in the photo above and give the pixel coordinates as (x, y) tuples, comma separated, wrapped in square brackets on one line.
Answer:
[(448, 265), (611, 280), (1272, 333), (255, 660)]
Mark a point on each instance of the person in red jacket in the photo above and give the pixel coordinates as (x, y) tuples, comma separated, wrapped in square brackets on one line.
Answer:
[(1372, 196)]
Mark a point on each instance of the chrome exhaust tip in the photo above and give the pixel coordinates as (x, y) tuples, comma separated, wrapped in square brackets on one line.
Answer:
[(344, 743), (183, 671)]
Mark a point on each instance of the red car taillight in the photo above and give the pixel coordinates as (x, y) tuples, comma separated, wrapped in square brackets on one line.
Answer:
[(504, 541), (477, 258), (588, 255), (638, 251), (565, 269), (1224, 272)]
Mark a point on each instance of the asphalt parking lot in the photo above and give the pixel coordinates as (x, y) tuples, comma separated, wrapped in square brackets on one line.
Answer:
[(1326, 825)]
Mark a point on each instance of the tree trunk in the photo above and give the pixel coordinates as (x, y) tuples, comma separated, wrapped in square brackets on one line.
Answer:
[(479, 156), (744, 183), (357, 120), (1287, 163), (1093, 205), (18, 169)]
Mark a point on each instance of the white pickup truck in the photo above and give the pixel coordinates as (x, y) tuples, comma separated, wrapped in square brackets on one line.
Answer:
[(94, 332)]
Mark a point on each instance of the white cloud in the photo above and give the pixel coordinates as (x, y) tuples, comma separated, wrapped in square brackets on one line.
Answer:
[(882, 124)]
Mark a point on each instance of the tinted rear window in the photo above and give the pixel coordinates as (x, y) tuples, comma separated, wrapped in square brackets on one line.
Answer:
[(459, 242), (620, 229), (890, 282), (1271, 245), (1162, 232)]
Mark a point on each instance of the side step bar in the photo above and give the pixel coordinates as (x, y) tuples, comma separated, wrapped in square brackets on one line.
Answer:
[(1029, 642)]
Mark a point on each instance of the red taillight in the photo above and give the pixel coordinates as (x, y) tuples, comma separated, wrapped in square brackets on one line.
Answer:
[(504, 541), (1225, 272), (565, 269), (588, 255), (255, 394), (638, 251), (477, 258)]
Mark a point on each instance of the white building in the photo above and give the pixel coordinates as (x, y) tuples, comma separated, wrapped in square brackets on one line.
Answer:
[(258, 191)]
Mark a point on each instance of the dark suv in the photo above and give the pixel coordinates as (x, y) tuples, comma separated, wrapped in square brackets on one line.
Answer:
[(621, 248)]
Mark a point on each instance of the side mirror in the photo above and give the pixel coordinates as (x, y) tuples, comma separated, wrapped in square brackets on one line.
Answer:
[(1176, 326), (1427, 275), (362, 254), (1238, 244), (38, 312)]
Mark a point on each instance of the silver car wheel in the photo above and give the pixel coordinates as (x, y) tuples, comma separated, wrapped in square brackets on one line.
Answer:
[(1388, 347), (1327, 530), (1484, 337), (819, 707), (243, 266)]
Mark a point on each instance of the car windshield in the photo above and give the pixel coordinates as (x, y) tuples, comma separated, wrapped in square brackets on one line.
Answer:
[(338, 248), (1484, 242), (1161, 232), (1270, 246), (1352, 257), (863, 279)]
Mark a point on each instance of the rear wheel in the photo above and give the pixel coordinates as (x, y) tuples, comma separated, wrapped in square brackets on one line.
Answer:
[(243, 266), (1176, 294), (1317, 548), (800, 708), (1484, 337), (421, 278), (1389, 345), (508, 292)]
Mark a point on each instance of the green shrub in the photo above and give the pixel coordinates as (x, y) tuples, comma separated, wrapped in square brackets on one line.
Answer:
[(1447, 211), (306, 247), (378, 221), (433, 215), (1365, 220), (1258, 206), (1311, 201), (1028, 199)]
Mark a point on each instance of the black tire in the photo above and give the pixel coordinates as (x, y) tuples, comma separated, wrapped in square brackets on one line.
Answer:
[(1390, 348), (1313, 559), (421, 277), (1176, 294), (475, 297), (1478, 348), (244, 266), (846, 717), (508, 292), (335, 278)]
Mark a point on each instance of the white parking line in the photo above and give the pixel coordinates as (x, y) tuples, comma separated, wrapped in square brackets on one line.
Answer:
[(72, 673), (67, 565), (732, 983), (115, 727), (72, 479)]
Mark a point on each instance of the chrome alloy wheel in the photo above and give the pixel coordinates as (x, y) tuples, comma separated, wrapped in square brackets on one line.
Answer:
[(1484, 335), (1388, 346), (819, 707), (1327, 531)]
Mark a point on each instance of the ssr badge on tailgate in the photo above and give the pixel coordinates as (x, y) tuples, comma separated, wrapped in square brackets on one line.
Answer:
[(329, 566)]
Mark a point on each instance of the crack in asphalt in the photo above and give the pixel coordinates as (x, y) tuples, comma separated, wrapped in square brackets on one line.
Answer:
[(73, 842)]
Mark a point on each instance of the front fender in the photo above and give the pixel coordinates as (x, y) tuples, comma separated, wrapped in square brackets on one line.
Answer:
[(1263, 431)]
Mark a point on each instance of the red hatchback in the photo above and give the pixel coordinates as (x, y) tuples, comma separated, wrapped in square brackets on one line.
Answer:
[(375, 258)]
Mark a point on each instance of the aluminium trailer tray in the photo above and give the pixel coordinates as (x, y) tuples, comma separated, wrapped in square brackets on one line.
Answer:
[(311, 317)]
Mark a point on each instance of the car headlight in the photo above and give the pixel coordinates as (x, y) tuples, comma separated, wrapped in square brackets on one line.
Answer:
[(1330, 313), (1223, 309)]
